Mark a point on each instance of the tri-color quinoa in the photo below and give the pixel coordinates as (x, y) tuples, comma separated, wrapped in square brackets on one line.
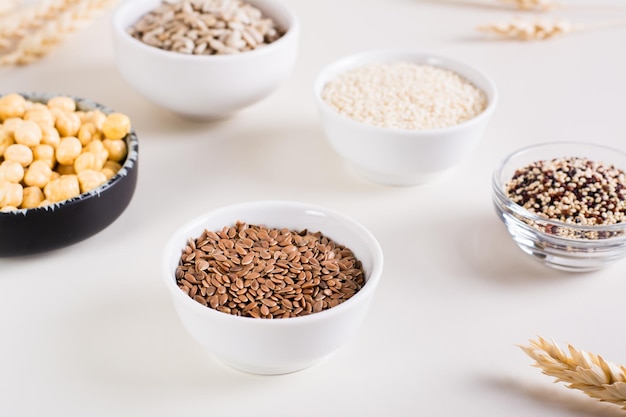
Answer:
[(571, 190)]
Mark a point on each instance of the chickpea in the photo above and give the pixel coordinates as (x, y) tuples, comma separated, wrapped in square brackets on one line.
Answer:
[(102, 157), (11, 171), (97, 117), (6, 140), (67, 151), (52, 152), (90, 179), (65, 169), (64, 103), (88, 161), (28, 133), (112, 165), (38, 174), (94, 146), (87, 132), (67, 124), (116, 126), (32, 197), (19, 153), (111, 168), (50, 136), (116, 148), (10, 194), (108, 173), (63, 188), (11, 125), (12, 105), (83, 116), (44, 153), (35, 106), (42, 116)]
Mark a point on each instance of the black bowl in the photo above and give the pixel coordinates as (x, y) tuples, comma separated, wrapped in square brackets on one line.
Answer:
[(42, 229)]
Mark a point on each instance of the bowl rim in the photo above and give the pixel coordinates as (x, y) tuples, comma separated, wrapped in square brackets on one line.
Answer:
[(129, 162), (372, 281), (357, 59), (500, 195), (120, 12)]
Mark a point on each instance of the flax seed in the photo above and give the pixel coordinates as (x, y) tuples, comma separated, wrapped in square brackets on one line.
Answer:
[(254, 271)]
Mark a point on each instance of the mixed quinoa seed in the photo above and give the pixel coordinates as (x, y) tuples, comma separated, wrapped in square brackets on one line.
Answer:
[(571, 190)]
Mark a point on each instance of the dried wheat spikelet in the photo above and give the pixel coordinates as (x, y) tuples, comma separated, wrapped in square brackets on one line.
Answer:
[(30, 33), (528, 30), (580, 370), (541, 29), (21, 21), (541, 5)]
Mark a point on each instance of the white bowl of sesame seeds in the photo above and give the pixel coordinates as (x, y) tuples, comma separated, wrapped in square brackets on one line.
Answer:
[(564, 203), (272, 287), (403, 117), (205, 59)]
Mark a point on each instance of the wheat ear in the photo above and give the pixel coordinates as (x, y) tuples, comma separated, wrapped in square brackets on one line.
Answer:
[(541, 5), (541, 29), (548, 5), (40, 41), (17, 24), (580, 370)]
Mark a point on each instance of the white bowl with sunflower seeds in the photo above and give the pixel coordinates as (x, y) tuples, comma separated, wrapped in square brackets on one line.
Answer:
[(212, 63), (403, 117), (258, 288)]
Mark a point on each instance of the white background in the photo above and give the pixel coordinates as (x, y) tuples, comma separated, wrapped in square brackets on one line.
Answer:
[(89, 330)]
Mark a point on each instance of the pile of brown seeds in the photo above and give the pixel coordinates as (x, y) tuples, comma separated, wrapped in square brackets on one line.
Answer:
[(255, 271), (205, 27), (571, 190)]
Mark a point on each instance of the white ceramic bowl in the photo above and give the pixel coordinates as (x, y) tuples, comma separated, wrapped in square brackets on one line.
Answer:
[(204, 86), (395, 156), (279, 345)]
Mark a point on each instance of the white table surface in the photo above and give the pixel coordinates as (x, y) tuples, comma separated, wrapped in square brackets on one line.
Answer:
[(89, 330)]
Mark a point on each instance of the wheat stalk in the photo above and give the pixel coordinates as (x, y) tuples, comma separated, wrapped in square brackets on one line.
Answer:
[(19, 22), (541, 5), (580, 370), (541, 29), (528, 30), (36, 30)]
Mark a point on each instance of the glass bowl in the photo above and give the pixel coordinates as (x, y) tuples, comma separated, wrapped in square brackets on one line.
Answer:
[(560, 244)]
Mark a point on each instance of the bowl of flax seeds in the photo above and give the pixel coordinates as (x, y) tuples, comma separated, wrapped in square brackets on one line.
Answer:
[(272, 287)]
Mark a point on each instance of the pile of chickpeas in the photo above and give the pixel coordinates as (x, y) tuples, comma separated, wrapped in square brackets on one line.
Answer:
[(51, 152)]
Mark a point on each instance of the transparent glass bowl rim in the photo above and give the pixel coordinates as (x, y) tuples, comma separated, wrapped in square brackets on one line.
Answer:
[(501, 196)]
